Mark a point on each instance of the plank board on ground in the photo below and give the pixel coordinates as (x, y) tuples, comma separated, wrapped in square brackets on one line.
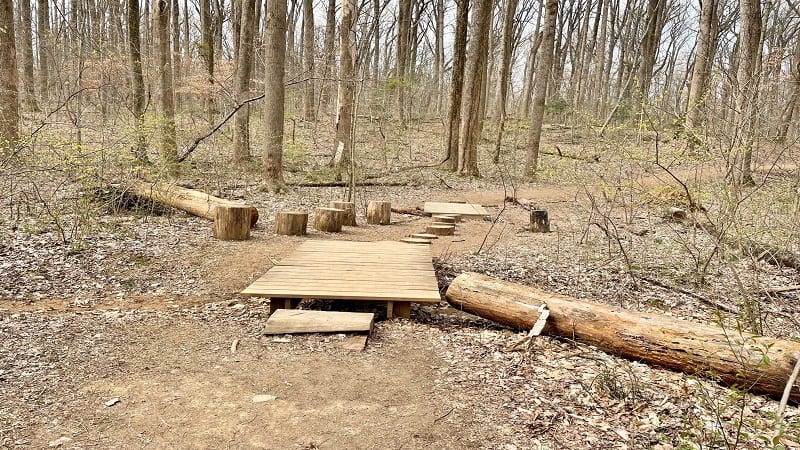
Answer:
[(463, 209), (288, 321)]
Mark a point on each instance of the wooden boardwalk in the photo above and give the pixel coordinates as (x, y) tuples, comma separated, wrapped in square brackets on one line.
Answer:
[(462, 209), (394, 272)]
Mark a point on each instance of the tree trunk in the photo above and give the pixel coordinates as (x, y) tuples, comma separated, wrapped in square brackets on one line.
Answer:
[(244, 67), (650, 42), (137, 81), (9, 96), (329, 219), (194, 202), (27, 54), (791, 107), (456, 85), (472, 125), (543, 68), (309, 103), (43, 33), (403, 29), (747, 84), (330, 35), (275, 94), (704, 55), (206, 46), (176, 42), (756, 363), (346, 94), (169, 146), (379, 213), (232, 222), (291, 223), (439, 55), (505, 73)]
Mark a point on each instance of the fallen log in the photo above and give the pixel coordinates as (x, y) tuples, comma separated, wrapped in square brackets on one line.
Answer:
[(755, 363), (192, 201)]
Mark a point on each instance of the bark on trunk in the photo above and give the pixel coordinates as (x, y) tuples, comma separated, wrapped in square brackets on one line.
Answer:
[(347, 85), (755, 363), (43, 33), (456, 86), (309, 105), (275, 92), (705, 53), (137, 80), (9, 97), (169, 146), (241, 123), (543, 68), (27, 54), (192, 201)]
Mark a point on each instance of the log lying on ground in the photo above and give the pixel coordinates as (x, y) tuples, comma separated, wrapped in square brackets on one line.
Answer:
[(755, 363), (192, 201)]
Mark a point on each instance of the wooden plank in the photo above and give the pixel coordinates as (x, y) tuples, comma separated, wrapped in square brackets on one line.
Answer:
[(355, 343), (361, 288), (422, 296), (288, 321), (463, 209)]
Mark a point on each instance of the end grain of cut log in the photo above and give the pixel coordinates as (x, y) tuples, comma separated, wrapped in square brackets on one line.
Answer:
[(232, 222), (756, 363), (425, 236), (349, 212), (329, 219), (291, 223), (444, 218), (379, 213), (412, 240), (441, 230)]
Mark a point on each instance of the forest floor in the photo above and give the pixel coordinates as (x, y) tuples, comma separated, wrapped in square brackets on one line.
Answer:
[(120, 334)]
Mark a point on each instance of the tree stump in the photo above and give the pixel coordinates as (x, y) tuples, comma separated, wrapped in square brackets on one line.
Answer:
[(413, 240), (232, 222), (540, 223), (291, 223), (379, 213), (329, 219), (349, 212), (425, 236), (441, 230), (445, 218)]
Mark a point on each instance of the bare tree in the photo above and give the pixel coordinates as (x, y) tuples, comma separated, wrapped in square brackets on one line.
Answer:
[(706, 48), (456, 85), (26, 45), (747, 85), (505, 72), (43, 34), (275, 94), (347, 85), (244, 67), (543, 67), (9, 97), (474, 74), (309, 106), (403, 31), (330, 36), (169, 146), (137, 80), (206, 45)]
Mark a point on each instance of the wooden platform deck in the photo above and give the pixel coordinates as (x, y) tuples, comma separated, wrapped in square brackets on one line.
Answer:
[(463, 209), (394, 272)]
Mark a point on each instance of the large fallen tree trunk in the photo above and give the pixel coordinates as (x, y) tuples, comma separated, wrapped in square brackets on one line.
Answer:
[(192, 201), (754, 363)]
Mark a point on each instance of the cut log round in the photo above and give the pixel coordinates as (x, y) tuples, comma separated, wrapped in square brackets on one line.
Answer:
[(349, 212), (329, 219), (444, 218), (445, 224), (759, 364), (425, 236), (291, 223), (232, 222), (540, 223), (413, 240), (441, 230), (192, 201), (379, 213)]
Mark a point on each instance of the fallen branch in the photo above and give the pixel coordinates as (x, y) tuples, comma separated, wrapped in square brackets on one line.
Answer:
[(754, 363), (411, 212)]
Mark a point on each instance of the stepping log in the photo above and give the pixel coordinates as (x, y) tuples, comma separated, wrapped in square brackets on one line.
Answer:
[(329, 219), (447, 224), (540, 223), (413, 240), (291, 223), (232, 222), (445, 218), (425, 236), (379, 213), (441, 230), (349, 212)]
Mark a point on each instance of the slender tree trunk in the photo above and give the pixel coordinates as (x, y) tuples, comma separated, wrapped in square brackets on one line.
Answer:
[(403, 30), (9, 96), (330, 35), (241, 123), (275, 93), (176, 42), (703, 56), (543, 67), (206, 46), (43, 32), (439, 55), (505, 73), (652, 38), (27, 54), (187, 39), (747, 83), (137, 80), (169, 146), (790, 110), (472, 125), (456, 85), (309, 103), (344, 116)]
